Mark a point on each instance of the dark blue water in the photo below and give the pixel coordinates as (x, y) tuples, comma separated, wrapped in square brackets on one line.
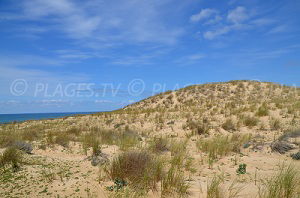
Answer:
[(6, 118)]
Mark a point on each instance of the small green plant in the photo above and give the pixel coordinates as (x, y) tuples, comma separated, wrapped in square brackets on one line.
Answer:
[(241, 169), (118, 185), (296, 156)]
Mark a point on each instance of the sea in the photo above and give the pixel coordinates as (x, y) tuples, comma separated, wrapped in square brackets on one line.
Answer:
[(8, 118)]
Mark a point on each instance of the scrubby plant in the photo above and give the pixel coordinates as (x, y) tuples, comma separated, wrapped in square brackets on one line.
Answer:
[(275, 124), (158, 145), (262, 111), (139, 168), (74, 131), (62, 139), (250, 121), (281, 147), (11, 156), (229, 125)]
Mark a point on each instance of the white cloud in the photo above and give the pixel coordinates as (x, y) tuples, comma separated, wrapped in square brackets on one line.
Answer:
[(203, 14), (214, 20), (210, 35), (190, 59), (263, 21), (279, 29), (103, 23), (237, 15)]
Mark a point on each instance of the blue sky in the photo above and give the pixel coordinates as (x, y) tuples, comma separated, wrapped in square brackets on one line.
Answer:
[(98, 55)]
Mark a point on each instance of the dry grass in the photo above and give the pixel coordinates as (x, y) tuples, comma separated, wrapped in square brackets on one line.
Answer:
[(284, 183), (159, 145), (222, 145), (139, 168), (11, 156)]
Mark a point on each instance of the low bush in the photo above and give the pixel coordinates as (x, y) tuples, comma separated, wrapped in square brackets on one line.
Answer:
[(159, 145), (281, 147), (229, 125), (62, 139), (11, 156), (250, 121), (262, 111), (138, 168)]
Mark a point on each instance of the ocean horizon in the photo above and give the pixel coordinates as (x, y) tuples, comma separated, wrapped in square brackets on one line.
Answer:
[(20, 117)]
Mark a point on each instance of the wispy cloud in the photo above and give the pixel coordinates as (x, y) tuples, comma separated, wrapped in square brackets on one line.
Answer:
[(279, 29), (237, 15), (203, 14), (190, 59), (101, 21), (224, 30), (237, 19)]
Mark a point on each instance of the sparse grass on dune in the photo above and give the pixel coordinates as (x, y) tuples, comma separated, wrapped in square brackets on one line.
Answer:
[(158, 145), (222, 145), (284, 183)]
